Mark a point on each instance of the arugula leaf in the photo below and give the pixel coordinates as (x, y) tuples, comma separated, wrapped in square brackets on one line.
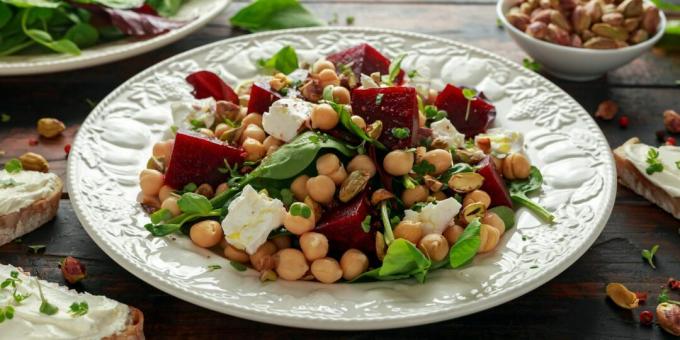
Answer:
[(521, 188), (467, 245), (506, 214), (79, 309), (193, 203), (266, 15), (653, 161), (285, 60), (166, 8), (649, 255), (13, 166)]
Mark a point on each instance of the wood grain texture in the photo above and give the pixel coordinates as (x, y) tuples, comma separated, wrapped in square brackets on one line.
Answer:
[(573, 305)]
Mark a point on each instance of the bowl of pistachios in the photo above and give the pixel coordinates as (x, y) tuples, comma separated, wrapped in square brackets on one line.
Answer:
[(581, 40)]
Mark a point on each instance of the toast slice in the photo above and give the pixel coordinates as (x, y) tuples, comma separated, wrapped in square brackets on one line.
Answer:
[(103, 318), (22, 222), (631, 177)]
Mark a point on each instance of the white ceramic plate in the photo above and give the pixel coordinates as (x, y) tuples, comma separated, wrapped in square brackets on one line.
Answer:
[(201, 11), (562, 140)]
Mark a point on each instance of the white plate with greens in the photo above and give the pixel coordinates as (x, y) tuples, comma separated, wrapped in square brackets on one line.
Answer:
[(37, 57), (560, 138)]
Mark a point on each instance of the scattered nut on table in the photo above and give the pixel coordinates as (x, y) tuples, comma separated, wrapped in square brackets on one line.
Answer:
[(34, 162), (607, 110), (621, 296), (50, 127), (671, 120), (593, 24)]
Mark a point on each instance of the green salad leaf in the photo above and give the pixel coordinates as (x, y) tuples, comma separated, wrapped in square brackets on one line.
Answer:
[(506, 214), (13, 166), (267, 15), (166, 8), (118, 4), (401, 261), (34, 3), (519, 190), (194, 203), (467, 245), (45, 38), (285, 60), (83, 35)]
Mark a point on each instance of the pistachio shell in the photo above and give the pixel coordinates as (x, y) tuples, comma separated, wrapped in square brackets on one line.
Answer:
[(621, 296), (472, 211), (380, 195), (353, 184), (630, 8), (609, 31), (464, 182)]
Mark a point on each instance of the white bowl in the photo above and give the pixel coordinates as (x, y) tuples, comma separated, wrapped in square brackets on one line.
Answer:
[(572, 63)]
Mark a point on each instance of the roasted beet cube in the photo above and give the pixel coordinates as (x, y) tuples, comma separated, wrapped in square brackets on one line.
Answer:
[(455, 104), (261, 97), (494, 184), (207, 84), (364, 59), (342, 226), (197, 158), (396, 107)]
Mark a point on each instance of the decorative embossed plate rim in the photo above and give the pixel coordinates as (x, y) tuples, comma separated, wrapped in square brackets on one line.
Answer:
[(560, 134), (202, 10)]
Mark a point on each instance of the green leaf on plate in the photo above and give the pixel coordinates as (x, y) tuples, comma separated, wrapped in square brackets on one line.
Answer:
[(285, 60), (467, 245), (194, 203), (506, 214), (266, 15), (83, 35)]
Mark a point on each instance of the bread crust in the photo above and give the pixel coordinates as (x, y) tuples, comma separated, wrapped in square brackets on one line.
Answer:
[(630, 177), (134, 328), (29, 218)]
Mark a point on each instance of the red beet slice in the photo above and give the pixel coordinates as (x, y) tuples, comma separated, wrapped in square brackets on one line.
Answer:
[(396, 107), (342, 226), (261, 98), (364, 59), (494, 184), (196, 158), (207, 84), (455, 104)]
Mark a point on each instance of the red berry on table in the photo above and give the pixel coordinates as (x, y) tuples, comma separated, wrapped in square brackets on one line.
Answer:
[(67, 149), (642, 296), (646, 318), (32, 142), (670, 141), (623, 122), (673, 284)]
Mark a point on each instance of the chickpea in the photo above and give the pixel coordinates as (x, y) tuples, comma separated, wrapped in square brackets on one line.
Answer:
[(415, 195), (150, 201), (439, 196), (165, 192), (432, 96), (452, 233), (398, 162), (254, 149), (221, 188), (362, 162), (282, 242), (322, 64), (489, 238), (206, 190), (321, 189), (272, 149), (290, 264), (341, 95), (326, 270), (477, 196), (164, 149), (314, 245), (263, 258), (298, 225), (236, 255), (324, 117), (327, 164), (170, 204), (358, 121), (516, 166), (151, 182), (440, 159), (252, 118), (328, 77), (299, 187), (271, 141), (220, 129), (409, 230), (353, 264), (206, 233), (223, 243), (434, 246), (421, 119), (495, 221), (255, 132), (338, 176)]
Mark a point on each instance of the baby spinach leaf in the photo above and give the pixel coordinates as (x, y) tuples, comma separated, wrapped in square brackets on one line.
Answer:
[(83, 35), (45, 38), (266, 15), (5, 14), (194, 203), (175, 224), (166, 8), (403, 258), (456, 168), (374, 275), (34, 3), (160, 216), (285, 60), (519, 190), (13, 166), (506, 214), (467, 245), (119, 4), (346, 121)]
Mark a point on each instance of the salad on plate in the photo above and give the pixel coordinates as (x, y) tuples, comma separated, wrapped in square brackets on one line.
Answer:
[(348, 169)]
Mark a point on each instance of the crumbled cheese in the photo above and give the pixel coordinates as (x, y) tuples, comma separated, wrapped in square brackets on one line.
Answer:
[(503, 142), (285, 117), (444, 130), (435, 217)]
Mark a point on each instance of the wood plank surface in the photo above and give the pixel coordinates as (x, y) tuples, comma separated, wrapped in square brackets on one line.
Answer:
[(572, 306)]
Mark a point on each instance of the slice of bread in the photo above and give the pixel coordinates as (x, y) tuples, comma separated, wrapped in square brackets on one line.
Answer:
[(134, 329), (631, 177), (22, 222)]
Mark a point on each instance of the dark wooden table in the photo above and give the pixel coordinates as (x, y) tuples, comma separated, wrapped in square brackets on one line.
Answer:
[(571, 306)]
